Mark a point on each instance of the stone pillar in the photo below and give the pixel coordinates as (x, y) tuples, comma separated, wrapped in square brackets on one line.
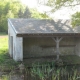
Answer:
[(18, 55)]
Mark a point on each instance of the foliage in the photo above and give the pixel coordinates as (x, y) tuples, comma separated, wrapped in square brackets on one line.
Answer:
[(27, 13), (32, 13), (76, 19), (14, 9), (5, 61), (44, 72), (8, 9), (37, 15), (57, 4)]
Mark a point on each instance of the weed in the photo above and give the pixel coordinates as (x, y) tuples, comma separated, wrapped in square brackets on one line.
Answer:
[(44, 71)]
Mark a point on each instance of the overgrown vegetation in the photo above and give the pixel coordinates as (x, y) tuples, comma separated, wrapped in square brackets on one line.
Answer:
[(50, 72), (59, 4), (43, 70), (76, 19), (6, 63)]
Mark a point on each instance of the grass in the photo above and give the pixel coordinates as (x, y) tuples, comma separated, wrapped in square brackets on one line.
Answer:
[(3, 44), (5, 61), (45, 71), (3, 49)]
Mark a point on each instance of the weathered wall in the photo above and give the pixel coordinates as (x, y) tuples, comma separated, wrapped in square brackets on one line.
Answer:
[(12, 36), (15, 44), (46, 46)]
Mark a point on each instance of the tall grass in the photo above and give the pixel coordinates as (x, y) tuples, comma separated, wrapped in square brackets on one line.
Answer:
[(44, 72)]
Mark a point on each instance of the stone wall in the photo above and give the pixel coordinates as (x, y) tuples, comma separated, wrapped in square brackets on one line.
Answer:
[(35, 47)]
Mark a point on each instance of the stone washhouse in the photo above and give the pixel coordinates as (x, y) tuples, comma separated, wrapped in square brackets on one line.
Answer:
[(42, 37)]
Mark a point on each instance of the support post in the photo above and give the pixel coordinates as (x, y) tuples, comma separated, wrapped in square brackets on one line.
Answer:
[(57, 40)]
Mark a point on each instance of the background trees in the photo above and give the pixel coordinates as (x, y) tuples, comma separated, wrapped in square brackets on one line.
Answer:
[(14, 9), (38, 15), (57, 4), (8, 9)]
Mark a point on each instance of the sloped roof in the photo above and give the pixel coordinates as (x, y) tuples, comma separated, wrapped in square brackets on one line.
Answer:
[(41, 26)]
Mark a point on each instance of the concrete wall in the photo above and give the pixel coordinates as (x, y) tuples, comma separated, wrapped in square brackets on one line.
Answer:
[(15, 44), (34, 47)]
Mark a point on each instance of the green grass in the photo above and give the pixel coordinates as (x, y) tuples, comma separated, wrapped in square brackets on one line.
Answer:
[(45, 71), (3, 49), (3, 44), (5, 61)]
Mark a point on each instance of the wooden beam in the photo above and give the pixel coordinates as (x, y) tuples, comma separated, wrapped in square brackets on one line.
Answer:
[(57, 40)]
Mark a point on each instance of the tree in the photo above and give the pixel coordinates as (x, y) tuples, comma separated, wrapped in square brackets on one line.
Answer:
[(27, 13), (20, 13), (8, 9), (76, 19), (14, 9), (38, 15), (57, 4)]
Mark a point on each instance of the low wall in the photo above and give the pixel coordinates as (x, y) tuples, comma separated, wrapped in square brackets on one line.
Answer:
[(35, 47)]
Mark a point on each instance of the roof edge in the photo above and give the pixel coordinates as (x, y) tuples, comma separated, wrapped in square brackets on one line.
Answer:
[(12, 26), (50, 35)]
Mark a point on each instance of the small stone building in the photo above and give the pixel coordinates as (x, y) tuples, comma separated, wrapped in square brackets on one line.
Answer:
[(39, 37)]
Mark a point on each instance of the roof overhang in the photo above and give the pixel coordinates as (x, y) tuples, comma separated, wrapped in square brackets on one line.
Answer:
[(50, 35)]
